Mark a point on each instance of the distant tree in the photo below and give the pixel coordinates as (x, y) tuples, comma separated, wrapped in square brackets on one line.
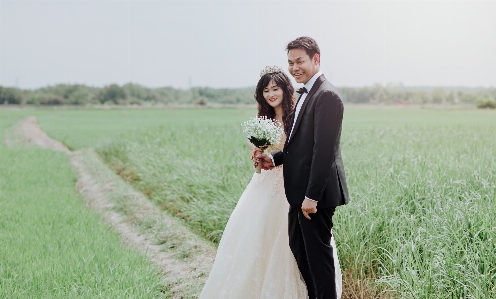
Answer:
[(167, 95), (450, 98), (491, 92), (52, 100), (79, 97), (138, 93), (467, 97), (439, 95), (32, 98), (426, 97), (10, 95), (485, 102), (112, 94), (381, 95), (75, 94)]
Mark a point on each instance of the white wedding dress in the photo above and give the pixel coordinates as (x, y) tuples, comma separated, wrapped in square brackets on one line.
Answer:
[(253, 258)]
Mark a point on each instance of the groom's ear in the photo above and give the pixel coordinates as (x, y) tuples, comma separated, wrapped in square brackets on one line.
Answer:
[(316, 58)]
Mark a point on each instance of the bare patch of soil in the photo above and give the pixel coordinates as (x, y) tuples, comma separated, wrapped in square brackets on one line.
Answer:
[(35, 136)]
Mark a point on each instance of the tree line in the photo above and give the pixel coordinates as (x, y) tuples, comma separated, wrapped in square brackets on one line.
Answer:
[(135, 94)]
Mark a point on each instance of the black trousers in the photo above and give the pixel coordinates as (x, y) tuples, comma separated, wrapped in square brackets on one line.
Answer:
[(310, 242)]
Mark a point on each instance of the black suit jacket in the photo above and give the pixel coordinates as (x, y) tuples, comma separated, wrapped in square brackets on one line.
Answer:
[(313, 166)]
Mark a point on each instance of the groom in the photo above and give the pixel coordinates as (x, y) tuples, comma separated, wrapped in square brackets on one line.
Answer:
[(314, 178)]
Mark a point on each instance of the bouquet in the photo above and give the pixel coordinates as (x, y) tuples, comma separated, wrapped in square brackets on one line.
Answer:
[(262, 132)]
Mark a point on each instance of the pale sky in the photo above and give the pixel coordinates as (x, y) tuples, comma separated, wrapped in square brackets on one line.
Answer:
[(227, 43)]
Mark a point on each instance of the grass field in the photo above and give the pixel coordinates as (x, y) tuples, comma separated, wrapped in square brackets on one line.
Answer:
[(81, 128), (51, 245), (422, 182)]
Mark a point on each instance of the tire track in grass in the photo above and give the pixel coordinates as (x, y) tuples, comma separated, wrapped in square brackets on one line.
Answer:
[(183, 258)]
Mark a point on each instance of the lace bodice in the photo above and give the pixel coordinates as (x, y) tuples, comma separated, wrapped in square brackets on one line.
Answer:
[(276, 147)]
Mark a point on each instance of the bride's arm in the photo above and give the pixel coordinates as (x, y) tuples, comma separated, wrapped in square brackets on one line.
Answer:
[(251, 146), (254, 150)]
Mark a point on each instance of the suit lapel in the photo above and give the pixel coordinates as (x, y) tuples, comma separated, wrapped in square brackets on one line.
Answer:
[(315, 86)]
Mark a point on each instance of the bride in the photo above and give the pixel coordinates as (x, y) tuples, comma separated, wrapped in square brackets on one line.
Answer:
[(253, 258)]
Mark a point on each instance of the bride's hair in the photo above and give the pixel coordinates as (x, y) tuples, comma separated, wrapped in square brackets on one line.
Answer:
[(264, 109)]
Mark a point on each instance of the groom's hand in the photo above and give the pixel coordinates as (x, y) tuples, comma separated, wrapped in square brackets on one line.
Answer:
[(307, 207), (265, 160)]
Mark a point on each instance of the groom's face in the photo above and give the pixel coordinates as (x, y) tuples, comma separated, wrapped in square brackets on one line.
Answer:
[(301, 66)]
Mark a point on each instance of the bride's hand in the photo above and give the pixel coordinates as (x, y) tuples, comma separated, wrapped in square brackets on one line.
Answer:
[(254, 154)]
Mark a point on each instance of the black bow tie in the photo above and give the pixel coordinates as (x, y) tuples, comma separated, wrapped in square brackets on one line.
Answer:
[(302, 90)]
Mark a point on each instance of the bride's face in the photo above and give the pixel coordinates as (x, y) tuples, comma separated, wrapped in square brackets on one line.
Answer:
[(273, 94)]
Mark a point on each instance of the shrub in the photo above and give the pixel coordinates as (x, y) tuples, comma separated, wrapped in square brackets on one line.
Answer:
[(112, 94), (10, 95), (76, 94), (485, 103), (52, 100), (201, 101)]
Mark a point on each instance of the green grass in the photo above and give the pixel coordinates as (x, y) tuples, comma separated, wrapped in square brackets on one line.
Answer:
[(422, 184), (51, 245), (83, 128), (423, 193)]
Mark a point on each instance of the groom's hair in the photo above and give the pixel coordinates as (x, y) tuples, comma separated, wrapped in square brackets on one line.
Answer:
[(306, 43)]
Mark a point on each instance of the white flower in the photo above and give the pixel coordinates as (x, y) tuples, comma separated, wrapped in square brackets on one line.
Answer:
[(262, 131)]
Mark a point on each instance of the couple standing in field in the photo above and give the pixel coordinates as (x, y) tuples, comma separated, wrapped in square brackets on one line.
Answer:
[(292, 205)]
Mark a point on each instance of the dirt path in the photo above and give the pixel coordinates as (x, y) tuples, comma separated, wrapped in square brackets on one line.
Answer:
[(34, 135), (184, 262)]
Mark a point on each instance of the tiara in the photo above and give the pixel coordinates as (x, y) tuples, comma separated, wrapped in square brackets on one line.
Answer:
[(270, 69)]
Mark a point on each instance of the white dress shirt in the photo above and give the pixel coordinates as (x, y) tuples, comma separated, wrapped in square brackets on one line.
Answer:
[(308, 86)]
